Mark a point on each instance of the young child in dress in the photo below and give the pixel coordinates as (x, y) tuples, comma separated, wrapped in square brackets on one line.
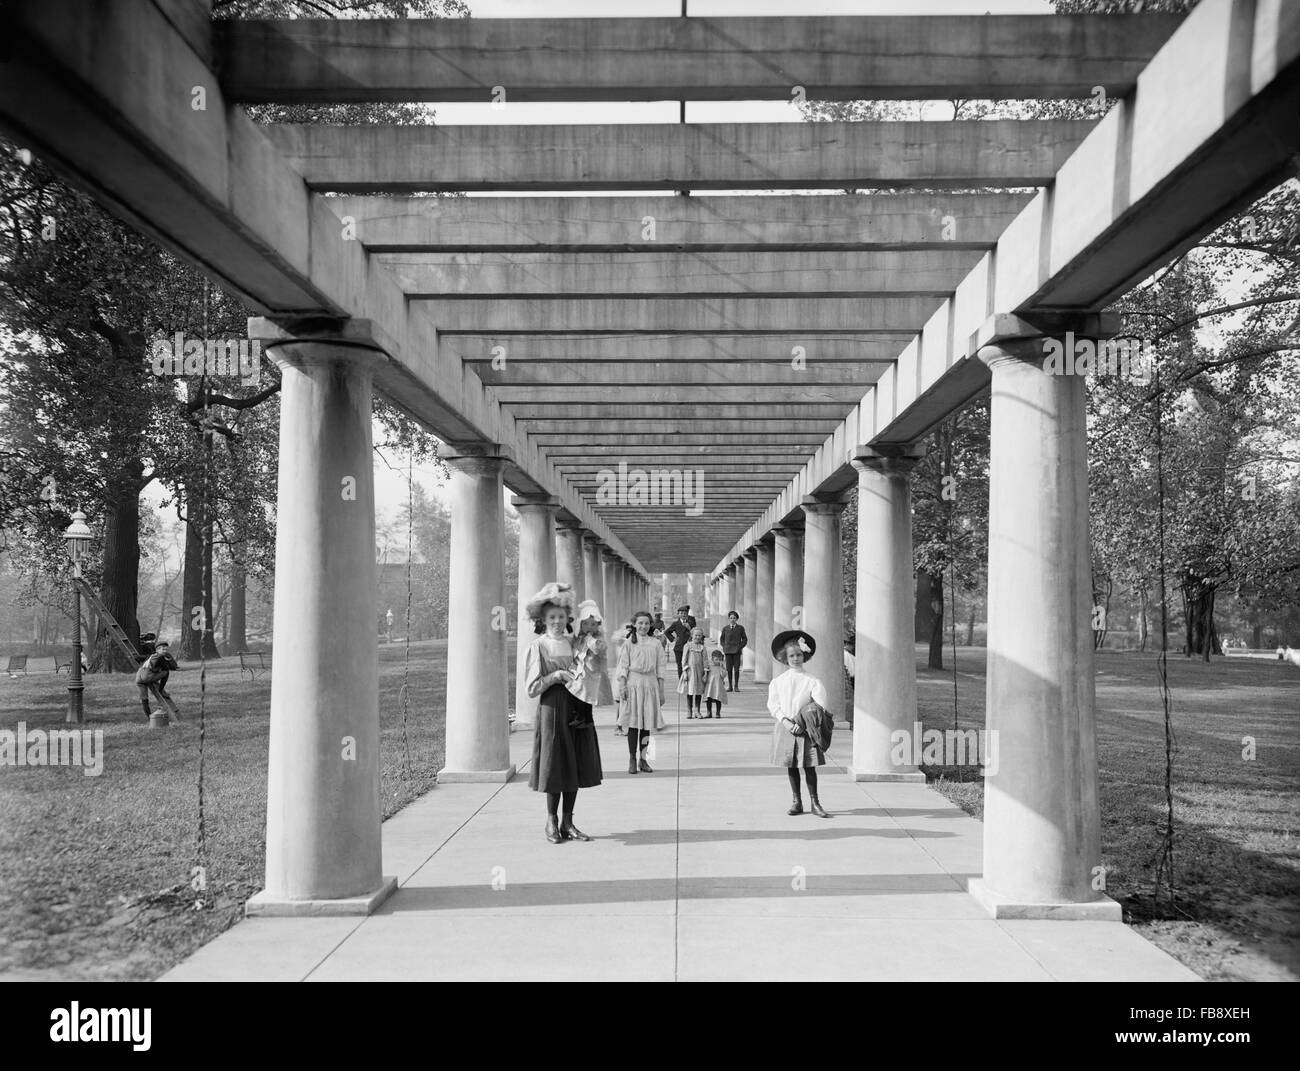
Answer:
[(590, 682), (715, 684), (694, 671)]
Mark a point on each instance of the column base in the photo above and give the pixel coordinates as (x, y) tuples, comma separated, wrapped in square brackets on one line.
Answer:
[(915, 777), (460, 777), (517, 726), (266, 906), (1103, 909)]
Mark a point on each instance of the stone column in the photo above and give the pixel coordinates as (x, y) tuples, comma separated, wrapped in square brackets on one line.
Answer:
[(569, 565), (885, 704), (1042, 844), (609, 578), (763, 615), (692, 596), (823, 598), (478, 731), (749, 616), (591, 568), (787, 579), (536, 568), (664, 608), (728, 584), (323, 803)]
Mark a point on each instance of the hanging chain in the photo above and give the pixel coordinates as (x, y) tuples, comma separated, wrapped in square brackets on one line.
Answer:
[(405, 694), (199, 875), (1165, 862)]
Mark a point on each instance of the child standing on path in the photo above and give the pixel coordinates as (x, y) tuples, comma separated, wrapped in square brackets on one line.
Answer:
[(694, 671), (642, 666), (715, 684)]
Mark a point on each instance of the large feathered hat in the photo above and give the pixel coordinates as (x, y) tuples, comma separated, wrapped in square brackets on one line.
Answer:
[(795, 635), (556, 593)]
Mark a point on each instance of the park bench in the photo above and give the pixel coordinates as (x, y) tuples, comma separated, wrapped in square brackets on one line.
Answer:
[(17, 665), (61, 665), (252, 663)]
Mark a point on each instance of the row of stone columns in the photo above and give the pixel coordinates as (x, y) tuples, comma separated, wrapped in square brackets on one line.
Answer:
[(1042, 842), (1041, 815)]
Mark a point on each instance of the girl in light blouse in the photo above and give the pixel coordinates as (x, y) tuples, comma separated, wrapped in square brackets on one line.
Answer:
[(786, 696), (639, 690), (566, 755)]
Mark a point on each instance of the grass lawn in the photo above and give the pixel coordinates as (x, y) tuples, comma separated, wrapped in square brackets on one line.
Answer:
[(94, 870), (1237, 866)]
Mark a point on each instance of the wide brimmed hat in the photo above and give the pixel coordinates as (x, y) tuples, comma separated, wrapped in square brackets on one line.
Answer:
[(806, 643), (556, 593), (588, 608)]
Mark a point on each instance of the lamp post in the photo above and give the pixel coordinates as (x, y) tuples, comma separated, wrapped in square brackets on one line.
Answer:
[(77, 536)]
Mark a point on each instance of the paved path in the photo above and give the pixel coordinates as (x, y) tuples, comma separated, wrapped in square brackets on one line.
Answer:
[(696, 873)]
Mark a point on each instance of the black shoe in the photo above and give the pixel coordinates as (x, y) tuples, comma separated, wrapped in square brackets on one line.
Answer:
[(553, 833), (796, 807), (631, 766), (571, 832), (818, 809), (645, 766)]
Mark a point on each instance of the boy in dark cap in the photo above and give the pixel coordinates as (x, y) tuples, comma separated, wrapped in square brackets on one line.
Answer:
[(679, 632)]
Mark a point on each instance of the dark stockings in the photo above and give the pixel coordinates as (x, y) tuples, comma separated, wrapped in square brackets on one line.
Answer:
[(809, 775), (553, 803), (637, 738)]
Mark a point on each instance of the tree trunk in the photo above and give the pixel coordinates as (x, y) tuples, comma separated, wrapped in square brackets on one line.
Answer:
[(1256, 636), (197, 594), (924, 611), (970, 624), (119, 585), (1202, 637), (935, 636), (1144, 597), (238, 609)]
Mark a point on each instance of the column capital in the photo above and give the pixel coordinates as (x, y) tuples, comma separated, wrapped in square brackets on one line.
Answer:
[(751, 553), (345, 331), (822, 506), (570, 523), (474, 451), (523, 502), (609, 555), (886, 460), (1014, 337)]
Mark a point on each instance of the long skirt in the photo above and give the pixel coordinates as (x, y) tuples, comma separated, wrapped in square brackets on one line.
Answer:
[(566, 754), (789, 750)]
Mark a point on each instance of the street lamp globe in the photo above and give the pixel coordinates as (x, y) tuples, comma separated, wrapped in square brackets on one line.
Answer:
[(78, 536)]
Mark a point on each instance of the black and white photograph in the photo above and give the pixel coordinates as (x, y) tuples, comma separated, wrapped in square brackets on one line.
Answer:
[(414, 414)]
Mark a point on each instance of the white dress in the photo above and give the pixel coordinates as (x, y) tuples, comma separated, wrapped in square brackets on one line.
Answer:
[(642, 669), (786, 695)]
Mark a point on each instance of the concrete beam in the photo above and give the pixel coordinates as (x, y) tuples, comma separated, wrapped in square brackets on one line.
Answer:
[(651, 375), (376, 158), (809, 317), (656, 413), (668, 393), (806, 222), (835, 58), (656, 274), (712, 349)]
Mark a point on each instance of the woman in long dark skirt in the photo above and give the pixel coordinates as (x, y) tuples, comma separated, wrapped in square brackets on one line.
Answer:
[(566, 755)]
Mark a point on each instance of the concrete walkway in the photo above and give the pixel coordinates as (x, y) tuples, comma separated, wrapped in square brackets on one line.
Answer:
[(696, 873)]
